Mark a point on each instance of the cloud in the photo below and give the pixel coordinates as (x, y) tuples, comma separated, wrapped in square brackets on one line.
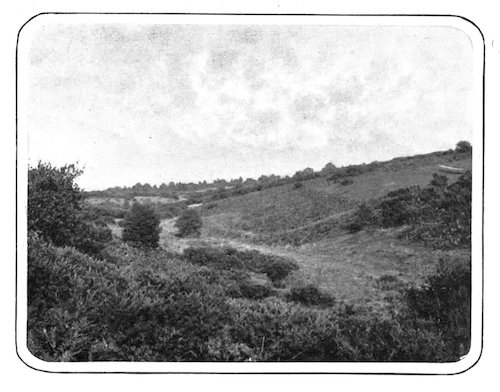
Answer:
[(298, 92)]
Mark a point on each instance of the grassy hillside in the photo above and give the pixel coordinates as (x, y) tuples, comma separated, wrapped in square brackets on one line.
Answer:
[(292, 215)]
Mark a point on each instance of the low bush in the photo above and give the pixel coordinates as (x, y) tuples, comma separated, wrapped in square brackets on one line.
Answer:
[(445, 301), (189, 223), (310, 295), (400, 207), (364, 216), (276, 268)]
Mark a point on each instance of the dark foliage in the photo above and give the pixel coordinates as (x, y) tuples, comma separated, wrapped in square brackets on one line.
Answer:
[(438, 215), (310, 295), (365, 215), (56, 213), (141, 226), (346, 181), (463, 147), (189, 223), (400, 207), (298, 185), (276, 268), (160, 309), (445, 301), (54, 202)]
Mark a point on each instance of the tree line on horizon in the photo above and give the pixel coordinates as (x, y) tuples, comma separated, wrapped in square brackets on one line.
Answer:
[(239, 185)]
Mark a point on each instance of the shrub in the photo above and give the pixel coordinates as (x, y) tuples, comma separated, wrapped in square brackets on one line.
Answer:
[(141, 226), (463, 146), (445, 301), (189, 223), (56, 211), (445, 214), (400, 207), (276, 268), (310, 295), (346, 181), (279, 268), (363, 216), (92, 238), (54, 202), (298, 185)]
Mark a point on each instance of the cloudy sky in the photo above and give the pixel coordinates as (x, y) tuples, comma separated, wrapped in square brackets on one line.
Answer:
[(158, 103)]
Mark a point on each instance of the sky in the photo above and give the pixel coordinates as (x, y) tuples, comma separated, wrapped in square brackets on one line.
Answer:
[(158, 103)]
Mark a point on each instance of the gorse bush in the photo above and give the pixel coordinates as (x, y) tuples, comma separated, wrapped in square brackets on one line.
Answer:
[(56, 213), (276, 268), (189, 223), (445, 301), (463, 146), (400, 207), (310, 295), (364, 215), (438, 215), (54, 202), (141, 226), (151, 306)]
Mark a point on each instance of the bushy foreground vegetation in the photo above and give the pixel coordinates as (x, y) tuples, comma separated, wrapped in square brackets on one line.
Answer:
[(151, 305), (56, 212), (94, 299), (438, 215)]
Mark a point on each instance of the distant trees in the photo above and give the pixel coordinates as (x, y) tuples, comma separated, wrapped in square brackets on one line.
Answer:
[(141, 226), (189, 223)]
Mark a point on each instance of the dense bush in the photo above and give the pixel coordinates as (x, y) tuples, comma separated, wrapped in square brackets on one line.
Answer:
[(189, 223), (276, 268), (438, 215), (56, 211), (298, 185), (54, 202), (463, 146), (364, 215), (141, 226), (310, 295), (346, 181), (400, 207), (445, 300), (445, 215)]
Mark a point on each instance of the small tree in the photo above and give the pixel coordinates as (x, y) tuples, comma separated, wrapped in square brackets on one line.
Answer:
[(189, 223), (54, 202), (463, 146), (141, 226), (56, 213)]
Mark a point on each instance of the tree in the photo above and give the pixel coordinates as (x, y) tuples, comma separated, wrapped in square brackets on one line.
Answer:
[(189, 223), (463, 146), (54, 202), (56, 213), (141, 226)]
